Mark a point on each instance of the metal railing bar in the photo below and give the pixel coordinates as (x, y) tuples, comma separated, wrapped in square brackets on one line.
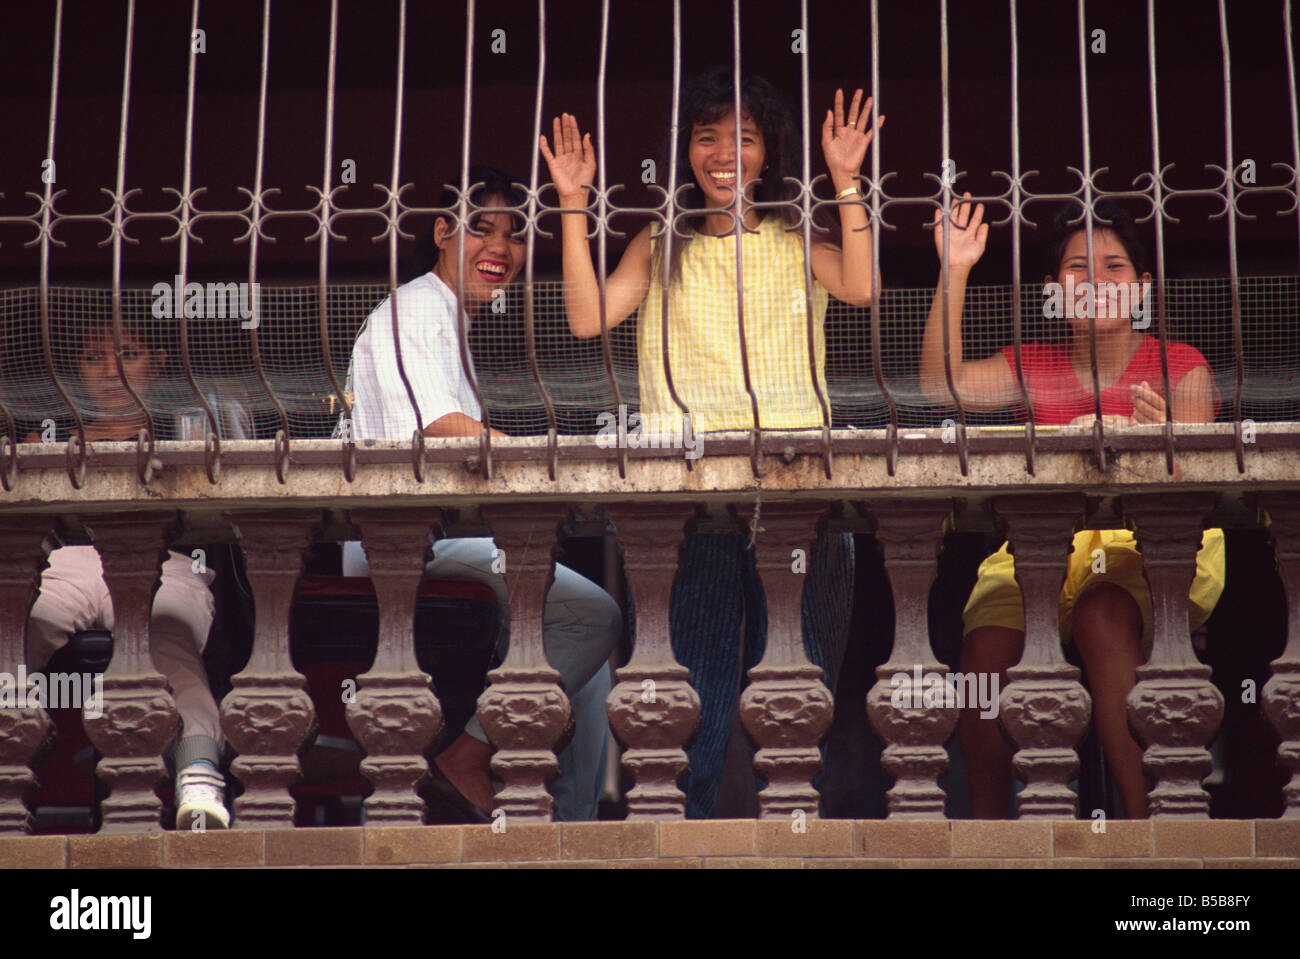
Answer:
[(393, 234), (738, 227), (1230, 209), (671, 223), (530, 328), (948, 175), (212, 436), (76, 450), (1162, 314), (1017, 320), (877, 191), (462, 225), (602, 226), (145, 441), (1295, 118), (1098, 428), (326, 230), (281, 446), (806, 210)]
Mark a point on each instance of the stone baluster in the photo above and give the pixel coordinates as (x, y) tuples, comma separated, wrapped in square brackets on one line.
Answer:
[(909, 533), (1281, 696), (653, 709), (25, 729), (786, 708), (1173, 707), (1044, 707), (395, 714), (524, 711), (268, 715), (137, 720)]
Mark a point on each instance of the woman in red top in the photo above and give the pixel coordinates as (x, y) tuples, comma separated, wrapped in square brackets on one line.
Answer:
[(1105, 605), (1059, 376)]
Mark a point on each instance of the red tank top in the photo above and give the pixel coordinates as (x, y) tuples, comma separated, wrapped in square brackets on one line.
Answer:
[(1058, 396)]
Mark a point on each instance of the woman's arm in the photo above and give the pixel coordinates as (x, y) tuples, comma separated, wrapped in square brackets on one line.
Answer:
[(457, 424), (838, 268), (573, 167), (987, 384), (845, 270)]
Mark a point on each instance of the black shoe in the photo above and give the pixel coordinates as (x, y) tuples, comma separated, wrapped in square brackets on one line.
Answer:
[(445, 791)]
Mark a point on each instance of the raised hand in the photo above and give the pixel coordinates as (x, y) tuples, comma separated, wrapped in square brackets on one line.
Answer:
[(967, 236), (573, 164), (845, 142)]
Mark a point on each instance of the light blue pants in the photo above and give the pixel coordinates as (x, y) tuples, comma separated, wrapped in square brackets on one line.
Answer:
[(581, 626)]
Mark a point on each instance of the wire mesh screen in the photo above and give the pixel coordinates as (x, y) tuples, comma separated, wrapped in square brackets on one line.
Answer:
[(83, 353), (572, 370), (732, 314)]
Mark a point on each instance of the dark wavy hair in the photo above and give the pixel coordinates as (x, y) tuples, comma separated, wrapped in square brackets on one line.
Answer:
[(1106, 215), (423, 257), (706, 98)]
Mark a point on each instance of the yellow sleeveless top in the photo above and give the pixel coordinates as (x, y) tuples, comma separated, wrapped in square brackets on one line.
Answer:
[(704, 337)]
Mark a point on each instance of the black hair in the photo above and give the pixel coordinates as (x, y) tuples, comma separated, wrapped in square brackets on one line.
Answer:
[(709, 96), (1106, 215), (495, 183)]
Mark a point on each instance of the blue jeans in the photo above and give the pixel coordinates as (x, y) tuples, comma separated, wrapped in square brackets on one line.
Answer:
[(582, 763), (581, 626), (717, 593)]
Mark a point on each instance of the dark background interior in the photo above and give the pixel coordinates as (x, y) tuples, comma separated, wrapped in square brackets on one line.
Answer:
[(638, 89)]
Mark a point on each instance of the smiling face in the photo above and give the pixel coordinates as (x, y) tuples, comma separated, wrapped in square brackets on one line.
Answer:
[(491, 254), (1110, 264), (713, 157), (97, 367)]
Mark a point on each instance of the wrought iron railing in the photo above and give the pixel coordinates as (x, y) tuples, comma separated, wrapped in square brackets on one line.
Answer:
[(893, 480)]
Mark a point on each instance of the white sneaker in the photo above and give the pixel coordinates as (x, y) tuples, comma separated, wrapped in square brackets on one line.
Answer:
[(200, 799)]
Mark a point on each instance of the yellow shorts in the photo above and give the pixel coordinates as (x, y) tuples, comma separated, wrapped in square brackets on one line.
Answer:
[(995, 600)]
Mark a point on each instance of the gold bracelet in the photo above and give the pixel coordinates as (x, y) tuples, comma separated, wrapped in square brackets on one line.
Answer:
[(849, 191)]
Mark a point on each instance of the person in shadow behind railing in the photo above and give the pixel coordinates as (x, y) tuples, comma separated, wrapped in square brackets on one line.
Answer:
[(1105, 605), (74, 597), (582, 623)]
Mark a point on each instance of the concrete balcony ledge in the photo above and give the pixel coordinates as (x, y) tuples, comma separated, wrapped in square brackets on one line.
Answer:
[(926, 465), (710, 844)]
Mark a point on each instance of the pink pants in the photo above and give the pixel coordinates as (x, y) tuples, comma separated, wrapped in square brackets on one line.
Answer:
[(74, 597)]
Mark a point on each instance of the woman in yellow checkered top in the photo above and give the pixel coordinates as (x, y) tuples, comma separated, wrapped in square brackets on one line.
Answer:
[(704, 346), (1105, 605)]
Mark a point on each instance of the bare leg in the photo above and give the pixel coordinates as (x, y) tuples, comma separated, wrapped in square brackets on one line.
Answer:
[(1108, 632), (988, 649)]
